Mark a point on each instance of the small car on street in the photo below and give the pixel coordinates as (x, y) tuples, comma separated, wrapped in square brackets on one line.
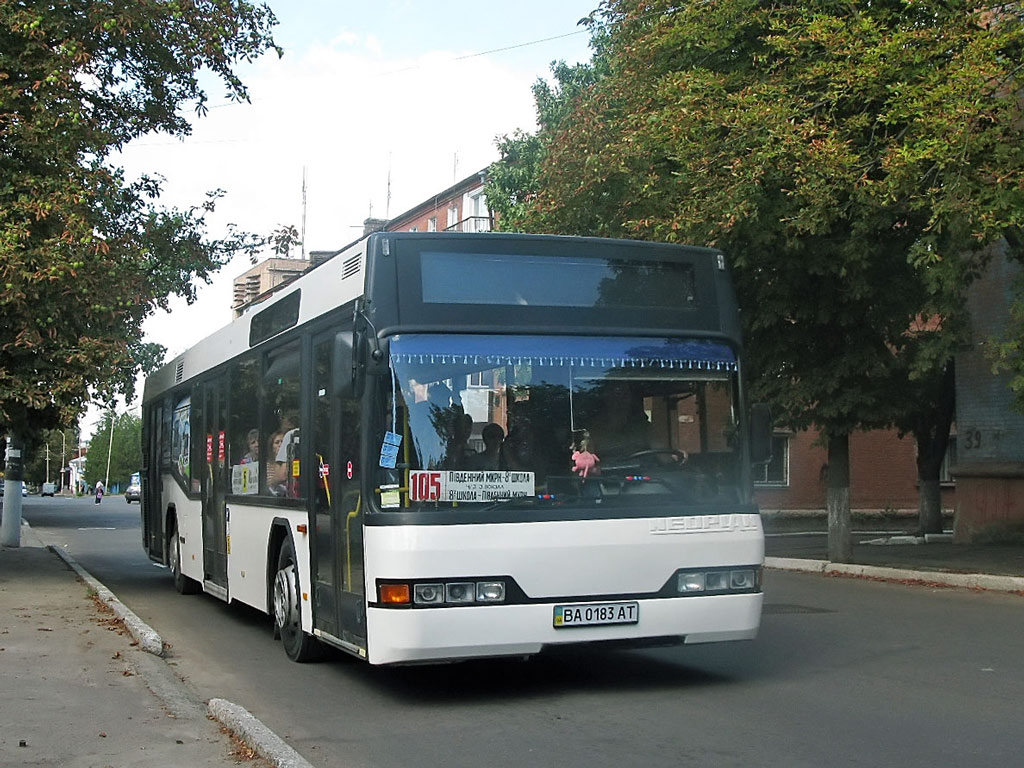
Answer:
[(134, 490)]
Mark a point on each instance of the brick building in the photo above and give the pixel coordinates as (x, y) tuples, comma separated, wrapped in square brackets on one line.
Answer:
[(460, 208), (263, 278), (883, 473), (990, 470)]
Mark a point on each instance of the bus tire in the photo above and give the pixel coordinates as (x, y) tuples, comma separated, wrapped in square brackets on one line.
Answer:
[(299, 645), (182, 583)]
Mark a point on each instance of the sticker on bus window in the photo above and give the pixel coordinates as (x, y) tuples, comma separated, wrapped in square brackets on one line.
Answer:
[(245, 478), (484, 485), (390, 497), (389, 450)]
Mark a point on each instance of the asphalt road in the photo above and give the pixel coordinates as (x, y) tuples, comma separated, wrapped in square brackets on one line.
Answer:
[(844, 673)]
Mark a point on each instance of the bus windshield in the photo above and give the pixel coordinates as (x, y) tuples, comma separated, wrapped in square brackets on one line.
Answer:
[(471, 420)]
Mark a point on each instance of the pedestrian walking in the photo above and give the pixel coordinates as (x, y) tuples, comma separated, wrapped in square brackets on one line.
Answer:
[(99, 491)]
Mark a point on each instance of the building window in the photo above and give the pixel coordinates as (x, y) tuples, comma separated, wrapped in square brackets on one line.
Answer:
[(432, 224), (453, 215), (775, 472), (414, 229)]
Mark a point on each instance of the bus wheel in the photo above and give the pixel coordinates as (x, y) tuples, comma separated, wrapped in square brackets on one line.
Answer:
[(182, 583), (299, 645)]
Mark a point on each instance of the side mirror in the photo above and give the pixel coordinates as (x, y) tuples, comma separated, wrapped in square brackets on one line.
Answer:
[(760, 433), (344, 370)]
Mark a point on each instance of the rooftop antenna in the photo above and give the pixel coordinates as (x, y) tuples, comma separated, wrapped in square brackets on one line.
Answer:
[(455, 167), (387, 205), (303, 212)]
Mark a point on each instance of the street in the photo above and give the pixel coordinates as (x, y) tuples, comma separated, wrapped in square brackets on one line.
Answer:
[(844, 673)]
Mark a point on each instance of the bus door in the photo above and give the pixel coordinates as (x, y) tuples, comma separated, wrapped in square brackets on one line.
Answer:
[(215, 478), (338, 543), (153, 535)]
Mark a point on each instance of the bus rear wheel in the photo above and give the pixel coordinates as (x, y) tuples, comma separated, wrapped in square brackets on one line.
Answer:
[(182, 583), (299, 645)]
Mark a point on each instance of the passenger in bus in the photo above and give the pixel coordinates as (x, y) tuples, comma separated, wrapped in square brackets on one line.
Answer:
[(458, 451), (277, 474), (286, 456), (433, 411), (490, 456), (517, 449), (252, 445)]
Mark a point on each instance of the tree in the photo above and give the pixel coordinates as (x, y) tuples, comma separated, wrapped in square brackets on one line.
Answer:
[(853, 159), (512, 184), (125, 450), (283, 239), (86, 255), (56, 445)]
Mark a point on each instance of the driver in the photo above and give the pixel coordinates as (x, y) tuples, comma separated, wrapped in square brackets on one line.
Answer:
[(621, 427)]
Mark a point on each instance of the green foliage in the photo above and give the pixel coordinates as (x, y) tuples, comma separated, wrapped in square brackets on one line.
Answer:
[(62, 445), (283, 239), (853, 159), (513, 182), (86, 256), (125, 450)]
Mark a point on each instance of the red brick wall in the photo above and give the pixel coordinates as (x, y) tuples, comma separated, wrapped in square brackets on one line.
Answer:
[(439, 210), (883, 474), (986, 506)]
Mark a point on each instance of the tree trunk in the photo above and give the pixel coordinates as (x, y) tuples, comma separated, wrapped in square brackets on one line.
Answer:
[(929, 506), (840, 540), (10, 526), (932, 436)]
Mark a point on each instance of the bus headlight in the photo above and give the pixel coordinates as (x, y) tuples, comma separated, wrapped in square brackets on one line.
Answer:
[(690, 582), (428, 593), (460, 592), (718, 581), (438, 592), (743, 579), (490, 591)]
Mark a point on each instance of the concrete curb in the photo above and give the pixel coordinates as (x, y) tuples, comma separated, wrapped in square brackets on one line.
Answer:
[(963, 580), (144, 634), (256, 734)]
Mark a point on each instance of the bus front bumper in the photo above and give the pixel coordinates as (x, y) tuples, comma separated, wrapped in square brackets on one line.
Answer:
[(412, 635)]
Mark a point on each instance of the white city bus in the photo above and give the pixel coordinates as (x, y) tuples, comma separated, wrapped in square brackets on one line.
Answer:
[(448, 446)]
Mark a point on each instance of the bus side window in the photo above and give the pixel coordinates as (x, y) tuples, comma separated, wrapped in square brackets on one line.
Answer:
[(282, 382)]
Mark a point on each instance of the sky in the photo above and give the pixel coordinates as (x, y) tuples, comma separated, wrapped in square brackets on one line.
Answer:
[(414, 92)]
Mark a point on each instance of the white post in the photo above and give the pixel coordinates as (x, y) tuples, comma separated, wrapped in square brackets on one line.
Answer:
[(10, 525)]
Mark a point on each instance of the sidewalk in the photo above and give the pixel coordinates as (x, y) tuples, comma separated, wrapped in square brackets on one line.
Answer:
[(77, 692), (803, 546)]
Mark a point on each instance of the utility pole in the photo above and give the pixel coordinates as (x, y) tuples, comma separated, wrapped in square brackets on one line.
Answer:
[(47, 461), (63, 453), (110, 447)]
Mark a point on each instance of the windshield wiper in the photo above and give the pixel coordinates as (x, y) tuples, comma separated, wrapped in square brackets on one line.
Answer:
[(523, 500)]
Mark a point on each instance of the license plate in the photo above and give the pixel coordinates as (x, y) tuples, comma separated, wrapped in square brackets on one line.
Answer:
[(593, 614)]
